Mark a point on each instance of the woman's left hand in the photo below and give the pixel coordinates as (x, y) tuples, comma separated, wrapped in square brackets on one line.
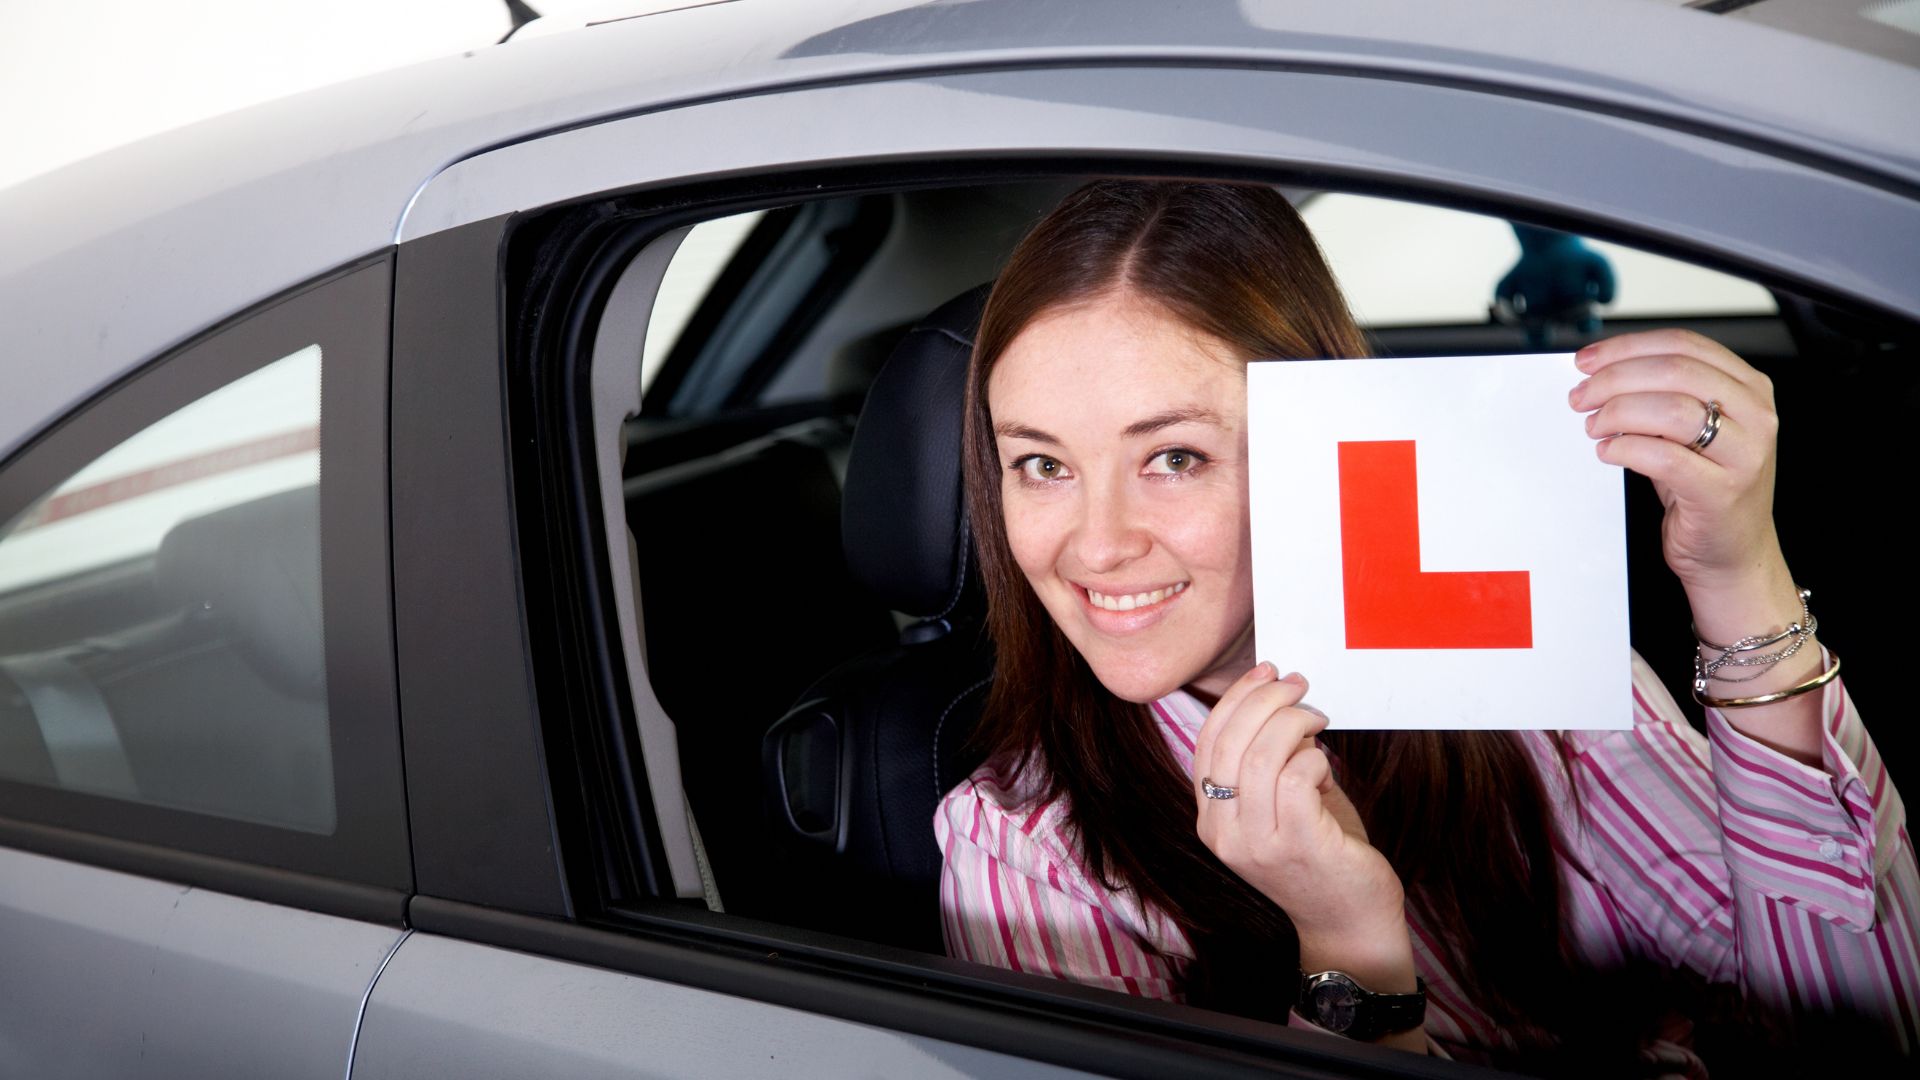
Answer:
[(1647, 396)]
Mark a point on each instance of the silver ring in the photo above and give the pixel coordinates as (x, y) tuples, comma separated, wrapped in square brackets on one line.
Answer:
[(1708, 430), (1215, 791)]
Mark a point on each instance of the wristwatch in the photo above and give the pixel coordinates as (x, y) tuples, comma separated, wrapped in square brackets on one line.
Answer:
[(1334, 1001)]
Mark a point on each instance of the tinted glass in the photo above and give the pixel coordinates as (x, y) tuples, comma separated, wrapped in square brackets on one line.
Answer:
[(160, 613)]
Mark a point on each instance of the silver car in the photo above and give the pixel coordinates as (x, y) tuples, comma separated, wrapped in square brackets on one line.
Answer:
[(482, 591)]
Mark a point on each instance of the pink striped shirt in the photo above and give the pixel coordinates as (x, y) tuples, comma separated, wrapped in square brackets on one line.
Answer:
[(1795, 883)]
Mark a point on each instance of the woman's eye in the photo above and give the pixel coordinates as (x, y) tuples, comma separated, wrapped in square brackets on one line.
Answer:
[(1174, 462), (1039, 469)]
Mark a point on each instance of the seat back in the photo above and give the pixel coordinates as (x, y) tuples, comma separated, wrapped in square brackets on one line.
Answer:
[(747, 601), (853, 773)]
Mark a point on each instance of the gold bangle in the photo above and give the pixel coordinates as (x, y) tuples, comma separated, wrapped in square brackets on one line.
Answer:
[(1815, 683)]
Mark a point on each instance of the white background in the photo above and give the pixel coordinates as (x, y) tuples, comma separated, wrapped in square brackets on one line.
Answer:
[(1508, 480)]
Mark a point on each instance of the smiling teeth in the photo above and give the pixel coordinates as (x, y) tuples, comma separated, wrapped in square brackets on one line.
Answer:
[(1137, 600)]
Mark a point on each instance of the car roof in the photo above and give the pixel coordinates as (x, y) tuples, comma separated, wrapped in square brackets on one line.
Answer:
[(1852, 23), (112, 260)]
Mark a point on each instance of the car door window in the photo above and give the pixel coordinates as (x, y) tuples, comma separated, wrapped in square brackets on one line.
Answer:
[(772, 499)]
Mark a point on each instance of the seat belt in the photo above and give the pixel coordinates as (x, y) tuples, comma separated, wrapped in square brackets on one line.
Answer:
[(75, 724)]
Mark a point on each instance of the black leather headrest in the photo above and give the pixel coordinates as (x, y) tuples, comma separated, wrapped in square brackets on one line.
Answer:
[(255, 567), (903, 519)]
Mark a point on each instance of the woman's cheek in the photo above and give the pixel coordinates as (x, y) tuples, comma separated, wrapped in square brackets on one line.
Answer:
[(1030, 534), (1208, 531)]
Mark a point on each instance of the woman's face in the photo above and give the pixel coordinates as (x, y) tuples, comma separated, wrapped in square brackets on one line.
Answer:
[(1122, 435)]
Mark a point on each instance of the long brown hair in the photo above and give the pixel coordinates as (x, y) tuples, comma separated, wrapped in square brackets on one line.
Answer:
[(1462, 816)]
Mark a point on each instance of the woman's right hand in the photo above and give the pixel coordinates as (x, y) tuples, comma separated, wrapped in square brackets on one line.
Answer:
[(1291, 833)]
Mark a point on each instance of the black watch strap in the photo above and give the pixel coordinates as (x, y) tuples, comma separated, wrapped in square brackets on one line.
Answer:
[(1335, 1001)]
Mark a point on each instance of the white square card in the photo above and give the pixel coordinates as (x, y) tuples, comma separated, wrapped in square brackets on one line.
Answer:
[(1436, 545)]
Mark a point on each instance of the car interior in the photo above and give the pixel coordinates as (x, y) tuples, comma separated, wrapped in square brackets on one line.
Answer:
[(811, 614)]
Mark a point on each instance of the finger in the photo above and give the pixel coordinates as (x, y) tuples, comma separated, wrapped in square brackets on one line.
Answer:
[(1665, 374), (1678, 418), (1311, 768), (1299, 788), (1257, 676), (1272, 750), (1238, 729), (1661, 460), (1602, 354)]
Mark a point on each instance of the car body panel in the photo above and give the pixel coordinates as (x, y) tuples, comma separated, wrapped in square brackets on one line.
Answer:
[(453, 1008), (258, 201), (108, 974)]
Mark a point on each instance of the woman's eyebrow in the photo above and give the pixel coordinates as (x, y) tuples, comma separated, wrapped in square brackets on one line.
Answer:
[(1190, 414), (1022, 431)]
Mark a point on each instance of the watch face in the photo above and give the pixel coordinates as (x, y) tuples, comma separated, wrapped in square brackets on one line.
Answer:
[(1333, 1002)]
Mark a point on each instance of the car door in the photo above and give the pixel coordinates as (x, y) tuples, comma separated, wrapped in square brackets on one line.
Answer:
[(563, 912), (203, 849)]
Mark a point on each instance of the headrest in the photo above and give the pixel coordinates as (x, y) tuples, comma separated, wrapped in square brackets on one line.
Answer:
[(903, 519), (255, 567)]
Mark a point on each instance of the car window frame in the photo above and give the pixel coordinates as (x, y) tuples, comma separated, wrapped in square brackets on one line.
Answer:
[(363, 867)]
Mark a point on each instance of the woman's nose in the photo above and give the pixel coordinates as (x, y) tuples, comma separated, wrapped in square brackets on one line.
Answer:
[(1110, 533)]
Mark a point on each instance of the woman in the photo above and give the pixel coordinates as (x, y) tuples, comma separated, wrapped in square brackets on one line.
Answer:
[(1161, 815)]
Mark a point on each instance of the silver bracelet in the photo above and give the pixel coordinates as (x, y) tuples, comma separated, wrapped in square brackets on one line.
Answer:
[(1705, 669)]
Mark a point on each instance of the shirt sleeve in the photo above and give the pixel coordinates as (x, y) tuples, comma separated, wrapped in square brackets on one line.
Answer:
[(1009, 901), (1795, 882)]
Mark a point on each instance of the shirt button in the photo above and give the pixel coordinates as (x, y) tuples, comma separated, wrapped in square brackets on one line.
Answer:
[(1830, 849)]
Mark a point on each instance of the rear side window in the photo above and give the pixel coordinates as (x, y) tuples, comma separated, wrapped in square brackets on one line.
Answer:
[(196, 628), (160, 612), (162, 608)]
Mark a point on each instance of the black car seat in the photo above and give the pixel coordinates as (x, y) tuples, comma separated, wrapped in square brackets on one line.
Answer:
[(853, 772), (748, 537)]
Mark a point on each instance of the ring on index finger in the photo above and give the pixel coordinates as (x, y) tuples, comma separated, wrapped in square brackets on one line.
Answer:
[(1708, 430), (1216, 791)]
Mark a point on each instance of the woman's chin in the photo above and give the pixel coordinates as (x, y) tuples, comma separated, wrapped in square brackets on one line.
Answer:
[(1130, 682), (1143, 673)]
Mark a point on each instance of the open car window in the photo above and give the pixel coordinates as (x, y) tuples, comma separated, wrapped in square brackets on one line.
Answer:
[(756, 619)]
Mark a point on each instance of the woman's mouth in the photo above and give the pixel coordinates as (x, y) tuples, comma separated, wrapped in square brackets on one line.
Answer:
[(1133, 601), (1131, 610)]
